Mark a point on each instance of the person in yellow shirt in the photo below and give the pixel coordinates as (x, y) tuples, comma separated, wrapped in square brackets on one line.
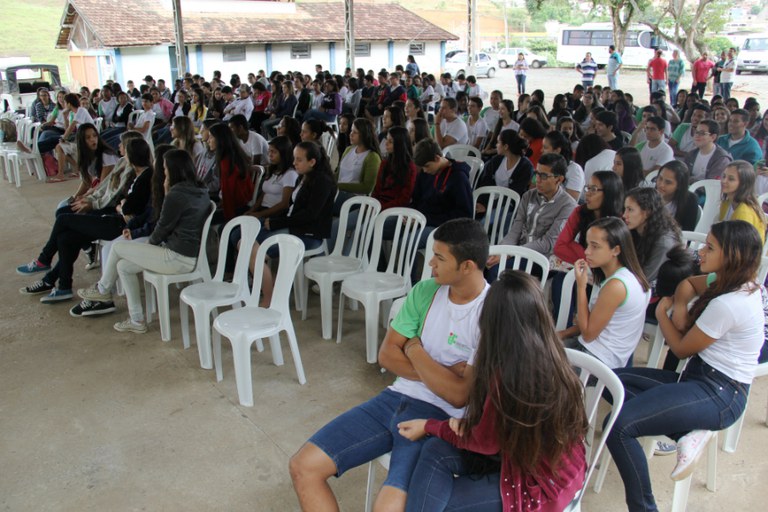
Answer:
[(739, 200)]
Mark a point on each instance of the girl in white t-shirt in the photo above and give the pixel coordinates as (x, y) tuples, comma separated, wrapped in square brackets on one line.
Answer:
[(278, 184), (611, 324), (722, 335)]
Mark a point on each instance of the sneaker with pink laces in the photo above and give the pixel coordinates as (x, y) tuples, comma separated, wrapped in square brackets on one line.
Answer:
[(689, 450)]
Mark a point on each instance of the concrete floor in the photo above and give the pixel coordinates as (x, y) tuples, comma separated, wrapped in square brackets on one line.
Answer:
[(95, 420)]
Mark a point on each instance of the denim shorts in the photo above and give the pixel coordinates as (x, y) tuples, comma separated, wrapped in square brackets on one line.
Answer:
[(370, 430)]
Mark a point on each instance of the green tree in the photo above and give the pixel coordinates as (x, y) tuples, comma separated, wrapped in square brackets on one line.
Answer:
[(687, 23)]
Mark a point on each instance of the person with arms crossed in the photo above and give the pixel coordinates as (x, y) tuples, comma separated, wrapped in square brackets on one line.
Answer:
[(613, 67), (429, 347)]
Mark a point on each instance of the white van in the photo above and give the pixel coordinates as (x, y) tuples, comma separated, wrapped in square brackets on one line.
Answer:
[(753, 55), (19, 85)]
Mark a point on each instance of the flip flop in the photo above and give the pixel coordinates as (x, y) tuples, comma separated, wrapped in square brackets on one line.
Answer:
[(56, 179)]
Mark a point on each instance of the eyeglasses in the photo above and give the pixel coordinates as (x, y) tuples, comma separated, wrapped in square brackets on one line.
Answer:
[(591, 189), (701, 134), (543, 175)]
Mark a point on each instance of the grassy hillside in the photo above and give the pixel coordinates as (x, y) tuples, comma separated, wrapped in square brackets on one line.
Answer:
[(30, 28)]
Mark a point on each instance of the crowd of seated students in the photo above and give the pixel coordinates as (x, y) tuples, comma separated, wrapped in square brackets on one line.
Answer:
[(579, 168)]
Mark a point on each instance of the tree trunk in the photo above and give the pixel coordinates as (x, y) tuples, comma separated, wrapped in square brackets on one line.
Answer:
[(619, 28)]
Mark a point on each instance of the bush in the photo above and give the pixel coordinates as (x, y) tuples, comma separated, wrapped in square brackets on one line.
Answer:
[(718, 44)]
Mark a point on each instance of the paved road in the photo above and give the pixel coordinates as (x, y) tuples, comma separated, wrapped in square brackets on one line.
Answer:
[(559, 80)]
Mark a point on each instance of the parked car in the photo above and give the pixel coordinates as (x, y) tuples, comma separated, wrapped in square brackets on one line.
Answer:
[(508, 56), (456, 64), (19, 84)]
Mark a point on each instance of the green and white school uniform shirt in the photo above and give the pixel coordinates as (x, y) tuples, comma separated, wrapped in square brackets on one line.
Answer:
[(618, 340), (449, 332)]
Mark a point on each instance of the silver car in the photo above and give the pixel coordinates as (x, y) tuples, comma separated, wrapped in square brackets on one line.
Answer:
[(457, 64)]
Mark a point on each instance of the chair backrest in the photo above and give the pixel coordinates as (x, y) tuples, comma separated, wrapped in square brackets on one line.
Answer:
[(148, 133), (329, 142), (521, 259), (408, 225), (650, 179), (98, 122), (429, 252), (134, 116), (475, 170), (713, 194), (368, 210), (202, 255), (762, 272), (291, 254), (249, 228), (762, 199), (587, 366), (256, 176), (499, 212), (693, 240), (566, 296), (461, 151)]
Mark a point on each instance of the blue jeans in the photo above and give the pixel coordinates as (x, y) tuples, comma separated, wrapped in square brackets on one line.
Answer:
[(658, 85), (673, 86), (318, 114), (725, 90), (434, 488), (656, 404), (520, 84), (370, 430)]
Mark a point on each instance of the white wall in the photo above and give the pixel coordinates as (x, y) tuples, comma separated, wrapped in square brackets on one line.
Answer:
[(138, 62)]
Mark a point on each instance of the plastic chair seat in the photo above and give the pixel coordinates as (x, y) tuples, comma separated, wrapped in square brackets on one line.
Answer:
[(384, 286), (251, 322), (338, 265)]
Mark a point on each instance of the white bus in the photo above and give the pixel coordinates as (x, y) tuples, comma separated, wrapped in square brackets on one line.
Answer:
[(574, 42)]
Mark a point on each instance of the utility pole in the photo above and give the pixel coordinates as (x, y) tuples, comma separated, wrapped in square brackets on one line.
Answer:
[(349, 33), (181, 55), (506, 25), (472, 35)]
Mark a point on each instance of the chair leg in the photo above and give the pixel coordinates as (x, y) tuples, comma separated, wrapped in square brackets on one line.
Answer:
[(371, 331), (277, 350), (184, 317), (304, 296), (369, 486), (203, 336), (296, 354), (298, 286), (680, 495), (241, 351), (164, 312), (605, 462), (217, 364), (326, 306), (712, 464), (149, 300), (339, 321)]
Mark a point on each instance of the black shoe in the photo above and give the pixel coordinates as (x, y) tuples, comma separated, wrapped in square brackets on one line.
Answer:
[(36, 288), (92, 308)]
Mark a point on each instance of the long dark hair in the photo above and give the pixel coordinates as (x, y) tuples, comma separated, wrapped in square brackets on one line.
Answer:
[(283, 146), (398, 163), (589, 147), (181, 168), (657, 225), (85, 157), (420, 130), (617, 233), (138, 154), (742, 248), (612, 206), (510, 106), (227, 147), (316, 152), (292, 129), (527, 379), (367, 133), (680, 170), (560, 144), (633, 167), (158, 179)]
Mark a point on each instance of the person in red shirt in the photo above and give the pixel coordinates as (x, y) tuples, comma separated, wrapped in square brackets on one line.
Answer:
[(657, 72), (234, 170), (524, 408), (702, 69)]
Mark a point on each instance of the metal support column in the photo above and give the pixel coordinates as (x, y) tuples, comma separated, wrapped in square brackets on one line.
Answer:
[(349, 33), (472, 35), (181, 54)]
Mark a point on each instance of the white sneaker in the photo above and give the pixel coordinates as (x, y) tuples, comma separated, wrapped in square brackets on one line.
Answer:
[(664, 448), (689, 450), (131, 326)]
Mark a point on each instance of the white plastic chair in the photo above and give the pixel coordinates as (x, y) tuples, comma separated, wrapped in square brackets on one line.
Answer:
[(564, 309), (134, 116), (711, 209), (733, 432), (205, 298), (426, 273), (461, 151), (499, 212), (24, 133), (475, 169), (33, 160), (326, 270), (98, 123), (372, 287), (161, 282), (517, 254), (258, 174), (650, 178), (245, 325)]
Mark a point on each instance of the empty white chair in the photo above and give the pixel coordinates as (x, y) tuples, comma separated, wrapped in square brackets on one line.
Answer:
[(326, 270), (33, 160), (245, 325), (711, 209), (205, 298), (499, 212), (161, 282), (519, 255), (461, 151), (372, 287)]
